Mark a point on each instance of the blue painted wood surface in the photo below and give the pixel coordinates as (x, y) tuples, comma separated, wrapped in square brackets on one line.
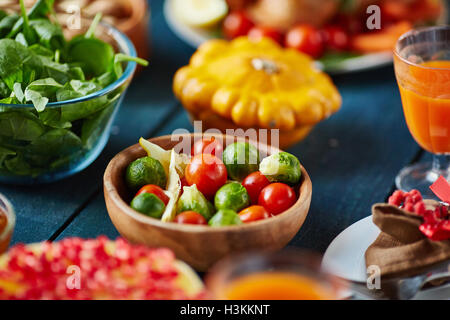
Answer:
[(352, 157)]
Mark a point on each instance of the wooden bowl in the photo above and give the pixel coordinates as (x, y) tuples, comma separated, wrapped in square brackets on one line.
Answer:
[(199, 246)]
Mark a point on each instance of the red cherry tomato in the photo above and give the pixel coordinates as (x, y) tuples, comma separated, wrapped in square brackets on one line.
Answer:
[(259, 32), (208, 145), (236, 24), (306, 39), (277, 197), (254, 213), (254, 183), (207, 172), (156, 190), (336, 38), (190, 217)]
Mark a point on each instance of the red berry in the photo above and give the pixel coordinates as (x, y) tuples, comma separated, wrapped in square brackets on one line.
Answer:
[(419, 208), (409, 207)]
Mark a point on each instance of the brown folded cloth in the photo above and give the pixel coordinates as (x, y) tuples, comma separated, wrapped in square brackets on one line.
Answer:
[(401, 249)]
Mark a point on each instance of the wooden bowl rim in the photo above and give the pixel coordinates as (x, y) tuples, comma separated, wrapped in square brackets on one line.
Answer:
[(305, 190)]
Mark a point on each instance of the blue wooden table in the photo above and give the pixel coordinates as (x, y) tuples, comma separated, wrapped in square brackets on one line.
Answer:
[(352, 158)]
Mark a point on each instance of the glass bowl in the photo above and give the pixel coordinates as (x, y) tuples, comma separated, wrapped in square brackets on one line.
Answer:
[(62, 152), (5, 235)]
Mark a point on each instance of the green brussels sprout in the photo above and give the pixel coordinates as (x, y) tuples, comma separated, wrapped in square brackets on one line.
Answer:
[(148, 204), (232, 196), (240, 159), (194, 200), (281, 167), (143, 171), (225, 217)]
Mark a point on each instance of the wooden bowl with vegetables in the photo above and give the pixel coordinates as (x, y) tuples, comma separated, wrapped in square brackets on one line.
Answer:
[(204, 208)]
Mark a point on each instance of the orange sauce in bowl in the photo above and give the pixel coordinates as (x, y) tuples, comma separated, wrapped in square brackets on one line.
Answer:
[(276, 286), (425, 96), (4, 239)]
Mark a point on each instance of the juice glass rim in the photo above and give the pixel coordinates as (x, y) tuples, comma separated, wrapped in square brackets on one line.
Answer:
[(413, 32), (10, 217)]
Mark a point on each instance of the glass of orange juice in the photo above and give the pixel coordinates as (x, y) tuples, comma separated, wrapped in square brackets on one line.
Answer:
[(7, 222), (286, 275), (422, 68)]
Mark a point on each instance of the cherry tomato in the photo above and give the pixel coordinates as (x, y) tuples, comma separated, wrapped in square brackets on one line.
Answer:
[(259, 32), (254, 213), (208, 145), (236, 24), (306, 39), (254, 183), (277, 197), (156, 190), (190, 217), (207, 172), (336, 38)]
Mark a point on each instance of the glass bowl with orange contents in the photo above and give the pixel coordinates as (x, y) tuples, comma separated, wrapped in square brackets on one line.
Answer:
[(286, 275), (7, 223)]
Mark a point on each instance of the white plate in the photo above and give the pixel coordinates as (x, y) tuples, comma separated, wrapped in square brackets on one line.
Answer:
[(345, 256), (196, 36)]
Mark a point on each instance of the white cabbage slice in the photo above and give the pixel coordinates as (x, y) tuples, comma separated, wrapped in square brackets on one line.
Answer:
[(164, 156), (173, 189)]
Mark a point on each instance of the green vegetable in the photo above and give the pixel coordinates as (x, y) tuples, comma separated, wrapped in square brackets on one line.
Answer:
[(146, 170), (240, 159), (281, 167), (194, 200), (232, 196), (225, 217), (148, 204), (39, 66)]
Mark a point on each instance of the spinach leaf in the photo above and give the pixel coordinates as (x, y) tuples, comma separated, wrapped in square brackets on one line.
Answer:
[(19, 166), (12, 57), (20, 126), (18, 92), (55, 142), (7, 23), (52, 117), (49, 34)]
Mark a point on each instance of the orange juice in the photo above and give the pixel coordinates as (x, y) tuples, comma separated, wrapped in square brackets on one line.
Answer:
[(276, 286), (425, 92), (4, 239)]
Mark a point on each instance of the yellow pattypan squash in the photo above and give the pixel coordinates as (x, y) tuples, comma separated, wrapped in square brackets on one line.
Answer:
[(256, 84)]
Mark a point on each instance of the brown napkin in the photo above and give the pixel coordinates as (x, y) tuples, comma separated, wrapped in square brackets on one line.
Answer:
[(402, 249)]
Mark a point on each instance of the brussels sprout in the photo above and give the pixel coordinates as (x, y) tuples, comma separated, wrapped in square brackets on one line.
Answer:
[(281, 167), (143, 171), (240, 159), (194, 200), (148, 204), (225, 217), (232, 196)]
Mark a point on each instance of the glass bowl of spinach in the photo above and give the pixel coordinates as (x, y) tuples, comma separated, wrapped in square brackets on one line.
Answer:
[(58, 97)]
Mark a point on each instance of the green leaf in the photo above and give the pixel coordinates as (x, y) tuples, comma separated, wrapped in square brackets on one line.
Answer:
[(7, 23), (52, 117), (49, 34), (20, 126), (18, 92), (13, 55), (37, 99), (21, 39), (4, 90), (18, 166), (81, 110)]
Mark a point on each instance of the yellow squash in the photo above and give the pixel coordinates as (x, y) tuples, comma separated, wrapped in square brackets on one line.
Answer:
[(246, 84)]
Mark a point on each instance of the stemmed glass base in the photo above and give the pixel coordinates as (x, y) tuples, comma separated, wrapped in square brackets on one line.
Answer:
[(421, 175)]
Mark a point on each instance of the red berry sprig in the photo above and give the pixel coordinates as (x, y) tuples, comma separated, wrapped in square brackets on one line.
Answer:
[(436, 225)]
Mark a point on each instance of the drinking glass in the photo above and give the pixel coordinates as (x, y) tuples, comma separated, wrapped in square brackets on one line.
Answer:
[(6, 231), (286, 275), (422, 68)]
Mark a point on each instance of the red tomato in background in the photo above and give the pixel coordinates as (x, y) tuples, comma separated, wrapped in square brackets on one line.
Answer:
[(254, 213), (336, 38), (277, 197), (306, 39), (254, 183), (156, 190), (207, 172), (236, 24), (259, 32), (351, 24), (190, 217), (209, 145)]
